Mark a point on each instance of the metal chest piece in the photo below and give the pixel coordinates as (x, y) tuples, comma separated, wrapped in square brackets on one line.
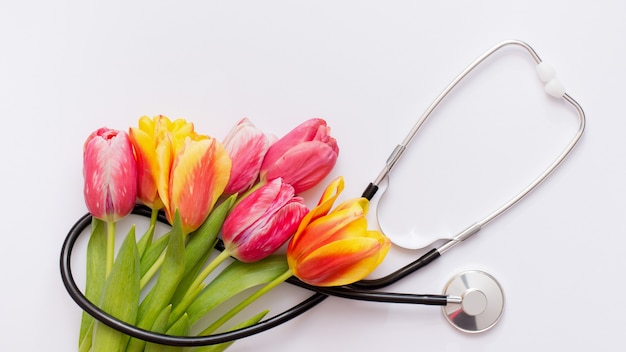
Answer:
[(482, 301)]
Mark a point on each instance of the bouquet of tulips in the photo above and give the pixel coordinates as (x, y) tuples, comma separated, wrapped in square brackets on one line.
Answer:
[(243, 191)]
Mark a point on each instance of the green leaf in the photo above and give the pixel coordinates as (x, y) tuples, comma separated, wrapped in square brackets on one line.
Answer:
[(180, 328), (189, 278), (160, 326), (170, 275), (146, 239), (120, 297), (153, 252), (203, 239), (197, 252), (95, 278), (235, 278), (223, 346)]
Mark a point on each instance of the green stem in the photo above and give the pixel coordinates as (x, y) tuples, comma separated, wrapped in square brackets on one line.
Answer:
[(110, 247), (187, 300), (153, 269), (203, 275), (206, 272), (196, 286), (246, 302), (85, 344)]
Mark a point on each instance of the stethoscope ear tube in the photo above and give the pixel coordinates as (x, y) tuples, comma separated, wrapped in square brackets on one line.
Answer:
[(552, 87)]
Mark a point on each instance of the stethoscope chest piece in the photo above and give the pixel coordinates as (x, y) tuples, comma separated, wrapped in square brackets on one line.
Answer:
[(482, 301)]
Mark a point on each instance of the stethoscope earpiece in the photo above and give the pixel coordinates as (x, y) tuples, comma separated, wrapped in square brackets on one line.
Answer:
[(480, 301)]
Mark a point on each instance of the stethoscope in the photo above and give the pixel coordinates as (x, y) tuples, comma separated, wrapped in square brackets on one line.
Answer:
[(472, 301)]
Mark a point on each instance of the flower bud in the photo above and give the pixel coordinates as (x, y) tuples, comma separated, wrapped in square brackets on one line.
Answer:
[(179, 169), (334, 248), (303, 157), (246, 145), (153, 141), (263, 221), (110, 174), (199, 173)]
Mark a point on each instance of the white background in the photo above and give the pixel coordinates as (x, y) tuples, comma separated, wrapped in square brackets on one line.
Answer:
[(370, 69)]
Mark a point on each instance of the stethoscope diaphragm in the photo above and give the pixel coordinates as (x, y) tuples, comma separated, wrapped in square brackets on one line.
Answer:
[(482, 301)]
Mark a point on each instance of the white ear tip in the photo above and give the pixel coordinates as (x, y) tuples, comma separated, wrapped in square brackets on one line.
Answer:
[(545, 71), (555, 88)]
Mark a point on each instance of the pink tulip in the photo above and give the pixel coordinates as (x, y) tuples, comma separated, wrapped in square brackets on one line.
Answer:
[(246, 145), (303, 157), (263, 221), (110, 173)]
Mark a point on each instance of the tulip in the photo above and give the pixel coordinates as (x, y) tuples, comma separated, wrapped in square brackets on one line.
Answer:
[(263, 221), (110, 174), (152, 140), (303, 157), (179, 169), (199, 173), (334, 248), (255, 228), (246, 145), (330, 248)]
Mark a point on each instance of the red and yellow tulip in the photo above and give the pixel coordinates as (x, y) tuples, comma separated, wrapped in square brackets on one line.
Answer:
[(303, 157), (153, 140), (110, 174), (333, 248), (180, 169)]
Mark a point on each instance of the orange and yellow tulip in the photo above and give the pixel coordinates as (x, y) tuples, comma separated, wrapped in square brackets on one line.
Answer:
[(334, 248)]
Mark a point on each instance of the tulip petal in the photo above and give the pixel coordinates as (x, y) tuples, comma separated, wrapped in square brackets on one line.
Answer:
[(340, 223), (246, 145), (321, 232), (156, 141), (249, 209), (303, 157), (199, 175), (268, 234), (147, 168), (164, 160), (342, 262), (304, 132), (304, 165), (324, 205)]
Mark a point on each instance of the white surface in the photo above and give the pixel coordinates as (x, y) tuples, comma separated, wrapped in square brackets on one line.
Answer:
[(369, 68)]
